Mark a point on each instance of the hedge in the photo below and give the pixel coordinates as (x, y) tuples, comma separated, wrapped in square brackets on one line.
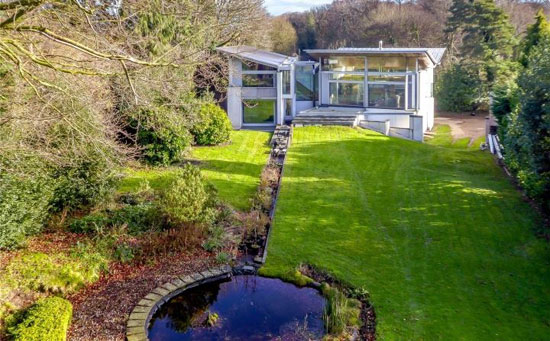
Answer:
[(48, 319)]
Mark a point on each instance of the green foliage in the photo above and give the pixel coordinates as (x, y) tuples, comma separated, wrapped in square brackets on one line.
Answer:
[(85, 182), (487, 31), (56, 273), (162, 134), (223, 258), (459, 88), (484, 53), (136, 218), (536, 32), (124, 253), (48, 319), (291, 276), (92, 223), (505, 100), (185, 199), (216, 238), (527, 131), (24, 201), (340, 311), (213, 126)]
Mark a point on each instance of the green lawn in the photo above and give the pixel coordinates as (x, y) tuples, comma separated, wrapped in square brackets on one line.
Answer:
[(438, 235), (234, 169)]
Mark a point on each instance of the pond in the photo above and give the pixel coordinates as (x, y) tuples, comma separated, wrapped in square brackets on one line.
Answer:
[(241, 308)]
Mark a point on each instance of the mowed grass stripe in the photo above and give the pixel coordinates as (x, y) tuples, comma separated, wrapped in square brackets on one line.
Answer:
[(437, 234)]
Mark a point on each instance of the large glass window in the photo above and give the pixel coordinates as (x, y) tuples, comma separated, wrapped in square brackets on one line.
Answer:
[(305, 83), (286, 82), (259, 111), (265, 80), (347, 64), (249, 66), (346, 77), (387, 64), (346, 93), (387, 95)]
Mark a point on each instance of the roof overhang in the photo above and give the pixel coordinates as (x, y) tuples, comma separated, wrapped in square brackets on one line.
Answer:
[(429, 56), (252, 54)]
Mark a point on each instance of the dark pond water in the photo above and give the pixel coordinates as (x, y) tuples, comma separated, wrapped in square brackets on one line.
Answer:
[(249, 308)]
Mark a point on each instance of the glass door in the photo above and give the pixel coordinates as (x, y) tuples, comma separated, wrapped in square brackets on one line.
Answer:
[(347, 94)]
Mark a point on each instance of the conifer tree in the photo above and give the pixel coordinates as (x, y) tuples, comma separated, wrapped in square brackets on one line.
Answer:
[(535, 33)]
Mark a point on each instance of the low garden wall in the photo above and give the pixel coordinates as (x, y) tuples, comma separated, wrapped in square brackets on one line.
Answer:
[(138, 322)]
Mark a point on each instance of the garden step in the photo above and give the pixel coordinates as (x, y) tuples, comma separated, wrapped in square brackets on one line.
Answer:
[(319, 123)]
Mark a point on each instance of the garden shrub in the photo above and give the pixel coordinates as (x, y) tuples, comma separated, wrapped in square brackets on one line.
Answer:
[(213, 126), (24, 202), (48, 319), (92, 223), (162, 134), (136, 218), (527, 129), (216, 238), (124, 252), (84, 182), (223, 258), (185, 199)]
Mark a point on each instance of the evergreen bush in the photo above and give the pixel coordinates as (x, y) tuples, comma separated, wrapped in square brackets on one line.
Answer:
[(186, 198), (213, 126), (162, 134), (24, 201)]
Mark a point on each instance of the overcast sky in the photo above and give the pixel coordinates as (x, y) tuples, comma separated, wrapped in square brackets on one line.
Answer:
[(277, 7)]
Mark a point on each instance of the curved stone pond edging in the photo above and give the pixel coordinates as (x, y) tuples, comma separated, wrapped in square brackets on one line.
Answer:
[(138, 322)]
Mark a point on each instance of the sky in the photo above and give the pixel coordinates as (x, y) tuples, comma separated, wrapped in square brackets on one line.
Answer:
[(276, 7)]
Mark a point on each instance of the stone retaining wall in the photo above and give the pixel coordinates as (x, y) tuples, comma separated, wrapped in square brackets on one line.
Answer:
[(138, 322)]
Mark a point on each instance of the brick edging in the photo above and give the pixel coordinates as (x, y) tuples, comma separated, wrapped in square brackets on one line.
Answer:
[(138, 321)]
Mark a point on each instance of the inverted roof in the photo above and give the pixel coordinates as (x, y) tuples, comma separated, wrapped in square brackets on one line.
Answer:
[(435, 54), (254, 54)]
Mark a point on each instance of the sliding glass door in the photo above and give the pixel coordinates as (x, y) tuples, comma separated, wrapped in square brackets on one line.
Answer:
[(346, 80), (346, 93), (377, 82)]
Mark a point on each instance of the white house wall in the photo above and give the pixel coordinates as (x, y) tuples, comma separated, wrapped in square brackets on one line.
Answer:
[(426, 101), (235, 107), (396, 120), (325, 100), (234, 96)]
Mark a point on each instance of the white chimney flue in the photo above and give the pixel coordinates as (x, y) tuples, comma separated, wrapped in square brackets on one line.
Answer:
[(380, 44)]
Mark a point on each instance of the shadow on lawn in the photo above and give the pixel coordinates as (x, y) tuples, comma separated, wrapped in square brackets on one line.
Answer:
[(372, 180)]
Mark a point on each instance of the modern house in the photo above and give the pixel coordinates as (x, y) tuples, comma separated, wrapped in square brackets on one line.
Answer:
[(385, 89)]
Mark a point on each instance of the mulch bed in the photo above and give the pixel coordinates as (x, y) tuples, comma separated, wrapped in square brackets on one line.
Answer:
[(100, 311)]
